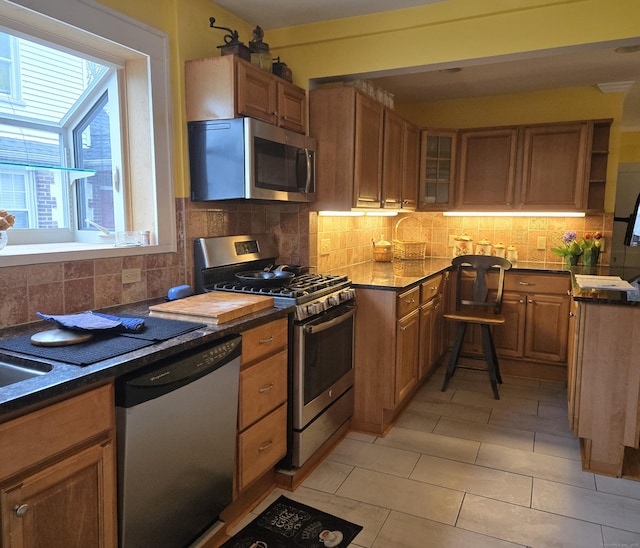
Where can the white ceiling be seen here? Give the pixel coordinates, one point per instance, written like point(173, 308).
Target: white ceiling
point(567, 67)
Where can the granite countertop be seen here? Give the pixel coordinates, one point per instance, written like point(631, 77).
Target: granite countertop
point(600, 296)
point(64, 379)
point(398, 274)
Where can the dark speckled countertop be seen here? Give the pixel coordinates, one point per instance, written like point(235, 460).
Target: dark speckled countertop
point(65, 380)
point(398, 275)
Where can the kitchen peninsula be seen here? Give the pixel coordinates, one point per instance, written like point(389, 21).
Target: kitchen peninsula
point(399, 340)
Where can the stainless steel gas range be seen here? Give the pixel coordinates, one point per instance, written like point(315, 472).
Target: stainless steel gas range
point(320, 330)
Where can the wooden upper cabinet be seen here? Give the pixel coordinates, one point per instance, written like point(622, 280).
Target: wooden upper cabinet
point(229, 87)
point(256, 93)
point(392, 163)
point(411, 167)
point(438, 156)
point(367, 178)
point(542, 167)
point(487, 175)
point(554, 163)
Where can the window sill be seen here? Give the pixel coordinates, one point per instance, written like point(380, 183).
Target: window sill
point(19, 255)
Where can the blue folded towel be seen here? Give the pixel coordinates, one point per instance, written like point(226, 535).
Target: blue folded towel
point(94, 321)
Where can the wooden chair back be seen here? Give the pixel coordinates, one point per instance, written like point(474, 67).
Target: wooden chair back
point(479, 264)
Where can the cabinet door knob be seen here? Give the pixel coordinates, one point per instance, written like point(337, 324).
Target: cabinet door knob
point(571, 314)
point(530, 301)
point(521, 301)
point(21, 510)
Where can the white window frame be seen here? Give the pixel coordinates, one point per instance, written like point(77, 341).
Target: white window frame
point(150, 170)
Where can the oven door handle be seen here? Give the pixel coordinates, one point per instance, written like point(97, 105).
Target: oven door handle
point(312, 328)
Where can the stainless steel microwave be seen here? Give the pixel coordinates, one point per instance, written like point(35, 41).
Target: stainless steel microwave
point(247, 158)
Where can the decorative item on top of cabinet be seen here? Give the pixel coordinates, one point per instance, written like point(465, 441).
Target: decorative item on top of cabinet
point(437, 169)
point(224, 87)
point(232, 44)
point(262, 406)
point(58, 474)
point(600, 131)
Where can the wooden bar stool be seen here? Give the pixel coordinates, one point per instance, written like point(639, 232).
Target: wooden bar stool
point(477, 309)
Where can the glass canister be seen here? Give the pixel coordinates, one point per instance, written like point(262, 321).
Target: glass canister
point(463, 245)
point(512, 254)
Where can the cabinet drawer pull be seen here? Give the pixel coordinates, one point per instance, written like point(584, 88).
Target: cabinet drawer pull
point(266, 341)
point(410, 301)
point(21, 510)
point(266, 446)
point(264, 389)
point(525, 283)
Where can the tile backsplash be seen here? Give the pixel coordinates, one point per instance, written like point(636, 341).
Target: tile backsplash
point(349, 239)
point(75, 286)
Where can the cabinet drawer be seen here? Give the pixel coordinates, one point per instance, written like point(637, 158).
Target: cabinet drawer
point(264, 340)
point(533, 283)
point(35, 437)
point(408, 301)
point(262, 388)
point(430, 288)
point(261, 446)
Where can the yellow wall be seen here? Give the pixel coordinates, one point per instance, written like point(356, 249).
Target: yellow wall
point(443, 32)
point(630, 147)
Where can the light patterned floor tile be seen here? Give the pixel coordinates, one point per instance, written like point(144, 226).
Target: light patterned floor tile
point(526, 526)
point(417, 421)
point(557, 446)
point(615, 538)
point(430, 444)
point(521, 405)
point(554, 410)
point(401, 530)
point(522, 421)
point(361, 436)
point(470, 478)
point(534, 393)
point(402, 495)
point(518, 439)
point(452, 410)
point(618, 486)
point(535, 464)
point(390, 460)
point(612, 510)
point(328, 476)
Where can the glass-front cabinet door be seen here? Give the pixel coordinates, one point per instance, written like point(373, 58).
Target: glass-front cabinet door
point(437, 170)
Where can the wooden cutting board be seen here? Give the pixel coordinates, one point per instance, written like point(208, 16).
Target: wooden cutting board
point(215, 307)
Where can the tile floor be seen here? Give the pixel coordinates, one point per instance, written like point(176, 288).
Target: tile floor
point(460, 469)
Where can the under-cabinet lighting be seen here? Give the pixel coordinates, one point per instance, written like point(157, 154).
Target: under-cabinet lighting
point(514, 213)
point(341, 213)
point(381, 213)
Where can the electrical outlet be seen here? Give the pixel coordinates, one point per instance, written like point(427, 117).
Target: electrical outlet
point(325, 246)
point(131, 275)
point(452, 240)
point(542, 243)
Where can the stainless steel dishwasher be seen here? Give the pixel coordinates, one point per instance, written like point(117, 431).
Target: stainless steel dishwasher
point(176, 432)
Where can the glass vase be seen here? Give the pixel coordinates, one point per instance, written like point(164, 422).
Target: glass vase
point(571, 260)
point(3, 239)
point(590, 257)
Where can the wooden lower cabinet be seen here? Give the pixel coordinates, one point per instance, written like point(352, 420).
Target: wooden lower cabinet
point(58, 475)
point(394, 350)
point(533, 340)
point(604, 387)
point(262, 409)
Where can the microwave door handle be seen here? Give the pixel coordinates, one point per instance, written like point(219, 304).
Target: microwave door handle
point(307, 186)
point(323, 326)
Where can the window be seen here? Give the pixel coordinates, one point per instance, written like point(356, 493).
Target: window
point(84, 97)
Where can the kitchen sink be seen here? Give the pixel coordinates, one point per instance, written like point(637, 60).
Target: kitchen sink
point(15, 369)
